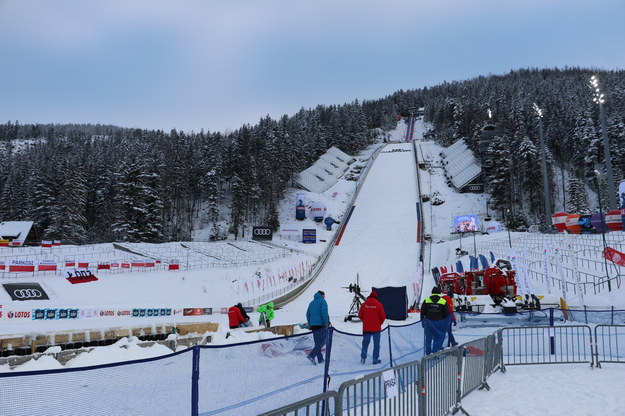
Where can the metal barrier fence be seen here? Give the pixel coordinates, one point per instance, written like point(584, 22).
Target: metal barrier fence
point(609, 344)
point(368, 395)
point(323, 404)
point(199, 381)
point(436, 384)
point(546, 345)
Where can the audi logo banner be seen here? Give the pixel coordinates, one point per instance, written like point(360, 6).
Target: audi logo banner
point(262, 233)
point(25, 291)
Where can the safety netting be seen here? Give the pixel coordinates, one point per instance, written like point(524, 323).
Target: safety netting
point(254, 377)
point(157, 386)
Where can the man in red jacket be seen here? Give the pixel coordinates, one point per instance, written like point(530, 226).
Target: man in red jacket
point(236, 318)
point(372, 316)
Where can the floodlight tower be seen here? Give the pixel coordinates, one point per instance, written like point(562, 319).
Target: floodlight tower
point(539, 113)
point(598, 98)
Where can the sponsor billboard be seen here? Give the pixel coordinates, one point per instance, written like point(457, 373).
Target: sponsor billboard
point(25, 291)
point(466, 223)
point(309, 235)
point(47, 265)
point(79, 275)
point(19, 265)
point(197, 311)
point(262, 233)
point(300, 207)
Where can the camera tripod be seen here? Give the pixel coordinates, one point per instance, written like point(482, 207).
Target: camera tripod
point(356, 302)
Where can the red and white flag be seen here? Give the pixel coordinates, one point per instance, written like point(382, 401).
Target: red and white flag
point(56, 243)
point(46, 243)
point(614, 256)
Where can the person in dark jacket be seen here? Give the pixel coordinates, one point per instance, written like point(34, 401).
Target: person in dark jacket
point(318, 321)
point(449, 298)
point(372, 315)
point(242, 309)
point(236, 319)
point(435, 321)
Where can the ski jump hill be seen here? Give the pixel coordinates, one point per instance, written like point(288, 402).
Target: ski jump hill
point(379, 243)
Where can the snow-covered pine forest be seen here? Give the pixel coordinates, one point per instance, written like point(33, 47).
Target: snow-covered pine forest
point(95, 183)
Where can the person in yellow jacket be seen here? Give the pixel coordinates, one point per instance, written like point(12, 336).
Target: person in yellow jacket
point(266, 314)
point(435, 320)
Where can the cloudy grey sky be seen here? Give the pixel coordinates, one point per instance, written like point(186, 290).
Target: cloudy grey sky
point(193, 64)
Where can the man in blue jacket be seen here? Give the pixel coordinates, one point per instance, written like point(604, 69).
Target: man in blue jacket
point(318, 319)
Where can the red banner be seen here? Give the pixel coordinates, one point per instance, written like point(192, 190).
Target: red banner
point(79, 276)
point(614, 256)
point(46, 243)
point(56, 243)
point(174, 267)
point(104, 266)
point(83, 264)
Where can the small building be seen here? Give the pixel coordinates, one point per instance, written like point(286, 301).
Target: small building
point(16, 230)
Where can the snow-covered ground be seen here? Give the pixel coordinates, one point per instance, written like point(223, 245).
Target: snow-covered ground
point(379, 247)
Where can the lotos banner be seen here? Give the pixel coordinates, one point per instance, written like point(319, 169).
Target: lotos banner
point(614, 256)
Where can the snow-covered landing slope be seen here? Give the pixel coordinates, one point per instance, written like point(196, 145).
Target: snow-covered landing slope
point(379, 243)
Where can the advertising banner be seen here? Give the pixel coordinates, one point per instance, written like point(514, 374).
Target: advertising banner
point(70, 263)
point(39, 314)
point(46, 243)
point(318, 210)
point(18, 265)
point(197, 311)
point(4, 243)
point(309, 236)
point(300, 207)
point(104, 266)
point(56, 243)
point(174, 265)
point(79, 275)
point(262, 233)
point(2, 265)
point(47, 265)
point(492, 227)
point(614, 256)
point(466, 223)
point(25, 291)
point(137, 263)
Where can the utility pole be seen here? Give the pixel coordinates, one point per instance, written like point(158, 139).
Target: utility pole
point(599, 99)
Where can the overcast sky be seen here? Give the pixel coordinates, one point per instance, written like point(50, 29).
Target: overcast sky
point(191, 64)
